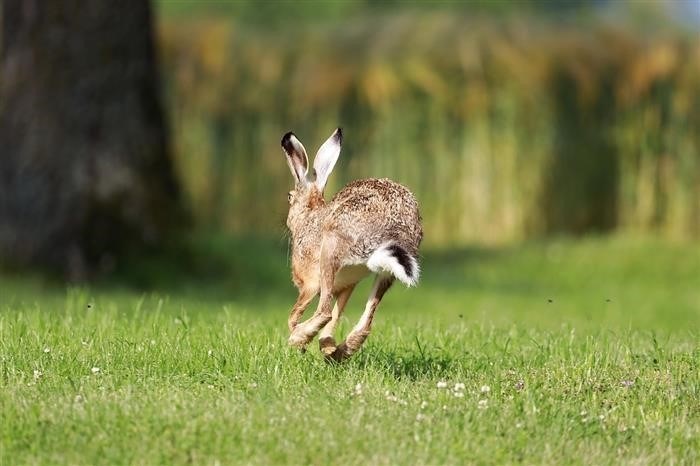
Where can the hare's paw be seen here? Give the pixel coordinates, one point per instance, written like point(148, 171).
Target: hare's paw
point(340, 354)
point(298, 339)
point(327, 346)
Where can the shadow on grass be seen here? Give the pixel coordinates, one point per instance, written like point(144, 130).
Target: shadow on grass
point(223, 267)
point(202, 267)
point(215, 267)
point(409, 363)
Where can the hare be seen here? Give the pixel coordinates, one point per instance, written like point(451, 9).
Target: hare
point(370, 226)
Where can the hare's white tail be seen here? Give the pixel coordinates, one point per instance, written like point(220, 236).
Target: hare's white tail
point(394, 259)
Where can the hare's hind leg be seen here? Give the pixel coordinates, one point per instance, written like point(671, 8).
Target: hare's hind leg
point(306, 331)
point(359, 333)
point(326, 341)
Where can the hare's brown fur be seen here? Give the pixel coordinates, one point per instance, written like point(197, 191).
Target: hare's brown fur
point(373, 211)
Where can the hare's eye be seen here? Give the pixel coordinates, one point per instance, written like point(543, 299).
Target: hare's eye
point(289, 196)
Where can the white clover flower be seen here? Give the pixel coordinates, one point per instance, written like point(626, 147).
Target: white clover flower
point(459, 394)
point(485, 389)
point(423, 404)
point(47, 350)
point(210, 353)
point(420, 417)
point(459, 386)
point(483, 404)
point(442, 384)
point(95, 370)
point(358, 389)
point(37, 374)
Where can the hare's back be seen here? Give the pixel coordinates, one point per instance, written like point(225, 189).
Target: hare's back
point(374, 211)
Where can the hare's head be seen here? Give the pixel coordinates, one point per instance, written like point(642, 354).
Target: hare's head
point(307, 194)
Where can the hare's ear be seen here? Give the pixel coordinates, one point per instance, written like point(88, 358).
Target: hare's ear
point(297, 159)
point(326, 157)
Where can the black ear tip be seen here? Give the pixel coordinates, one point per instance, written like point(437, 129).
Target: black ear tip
point(339, 135)
point(287, 141)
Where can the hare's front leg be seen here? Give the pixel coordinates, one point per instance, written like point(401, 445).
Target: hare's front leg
point(360, 332)
point(306, 331)
point(305, 297)
point(326, 341)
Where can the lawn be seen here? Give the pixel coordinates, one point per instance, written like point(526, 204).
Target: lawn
point(582, 352)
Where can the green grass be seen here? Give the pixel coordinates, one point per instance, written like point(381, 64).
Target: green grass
point(589, 351)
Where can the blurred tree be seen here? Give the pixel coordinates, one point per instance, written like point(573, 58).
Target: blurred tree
point(85, 173)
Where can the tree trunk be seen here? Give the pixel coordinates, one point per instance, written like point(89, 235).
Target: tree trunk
point(85, 173)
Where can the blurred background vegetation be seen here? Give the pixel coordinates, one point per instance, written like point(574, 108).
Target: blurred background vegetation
point(510, 120)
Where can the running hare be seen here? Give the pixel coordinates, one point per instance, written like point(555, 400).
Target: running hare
point(371, 225)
